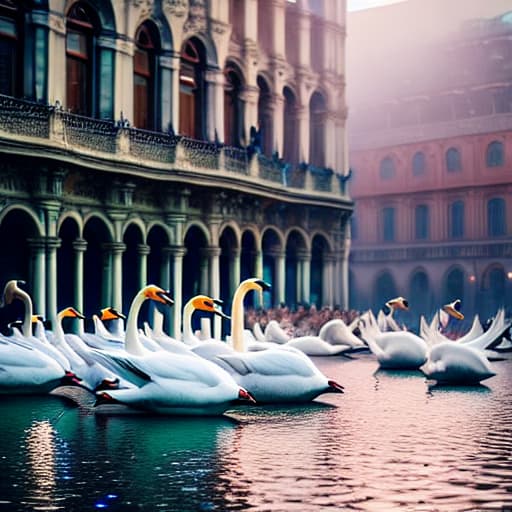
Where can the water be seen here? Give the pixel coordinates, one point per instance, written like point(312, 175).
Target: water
point(389, 443)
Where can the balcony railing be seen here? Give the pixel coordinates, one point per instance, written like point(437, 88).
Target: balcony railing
point(58, 129)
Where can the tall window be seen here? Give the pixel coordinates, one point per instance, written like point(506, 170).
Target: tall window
point(388, 224)
point(192, 101)
point(457, 219)
point(144, 87)
point(496, 219)
point(317, 113)
point(418, 164)
point(421, 218)
point(387, 168)
point(290, 147)
point(11, 49)
point(265, 116)
point(79, 58)
point(233, 107)
point(495, 154)
point(453, 161)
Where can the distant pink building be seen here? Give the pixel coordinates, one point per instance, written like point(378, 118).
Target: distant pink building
point(430, 137)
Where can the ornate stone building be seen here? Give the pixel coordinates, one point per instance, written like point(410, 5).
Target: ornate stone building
point(431, 153)
point(187, 143)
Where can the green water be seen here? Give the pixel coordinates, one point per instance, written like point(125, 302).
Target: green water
point(390, 442)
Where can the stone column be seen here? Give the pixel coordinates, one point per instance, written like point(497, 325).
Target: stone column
point(304, 266)
point(37, 255)
point(175, 93)
point(204, 277)
point(52, 244)
point(328, 280)
point(214, 288)
point(215, 102)
point(165, 282)
point(79, 246)
point(143, 250)
point(279, 275)
point(116, 251)
point(106, 279)
point(177, 252)
point(234, 271)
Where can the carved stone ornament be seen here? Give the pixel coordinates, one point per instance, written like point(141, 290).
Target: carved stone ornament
point(146, 6)
point(176, 8)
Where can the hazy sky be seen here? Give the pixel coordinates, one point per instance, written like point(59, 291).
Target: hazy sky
point(355, 5)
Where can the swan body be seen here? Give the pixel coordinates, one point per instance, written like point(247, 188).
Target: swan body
point(451, 363)
point(336, 332)
point(280, 374)
point(164, 382)
point(396, 349)
point(316, 346)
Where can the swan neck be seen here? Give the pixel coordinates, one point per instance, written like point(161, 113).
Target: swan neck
point(132, 343)
point(27, 319)
point(188, 335)
point(237, 319)
point(59, 331)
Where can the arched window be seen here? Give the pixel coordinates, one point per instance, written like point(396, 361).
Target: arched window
point(454, 285)
point(388, 224)
point(233, 107)
point(457, 219)
point(265, 117)
point(144, 83)
point(192, 93)
point(387, 168)
point(495, 154)
point(496, 219)
point(453, 161)
point(422, 222)
point(290, 147)
point(317, 113)
point(418, 164)
point(81, 24)
point(11, 49)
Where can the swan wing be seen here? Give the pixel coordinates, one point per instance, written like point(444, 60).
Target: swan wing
point(258, 332)
point(279, 361)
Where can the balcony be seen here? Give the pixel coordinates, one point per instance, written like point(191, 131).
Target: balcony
point(37, 130)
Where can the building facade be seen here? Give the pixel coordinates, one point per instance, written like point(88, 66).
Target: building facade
point(431, 153)
point(182, 142)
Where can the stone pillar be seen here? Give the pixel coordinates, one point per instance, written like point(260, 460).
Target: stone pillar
point(165, 282)
point(37, 256)
point(234, 271)
point(214, 288)
point(303, 133)
point(215, 102)
point(304, 266)
point(143, 250)
point(328, 280)
point(177, 252)
point(204, 277)
point(106, 279)
point(116, 251)
point(79, 246)
point(258, 272)
point(279, 275)
point(52, 244)
point(175, 93)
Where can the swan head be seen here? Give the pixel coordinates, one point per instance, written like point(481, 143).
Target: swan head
point(244, 396)
point(205, 303)
point(254, 283)
point(71, 313)
point(334, 387)
point(157, 294)
point(453, 309)
point(396, 303)
point(12, 290)
point(111, 314)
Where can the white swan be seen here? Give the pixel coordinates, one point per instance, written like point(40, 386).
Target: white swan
point(385, 319)
point(336, 332)
point(316, 346)
point(167, 383)
point(23, 368)
point(453, 363)
point(276, 375)
point(393, 349)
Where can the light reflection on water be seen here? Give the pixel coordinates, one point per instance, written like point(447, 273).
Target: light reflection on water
point(390, 442)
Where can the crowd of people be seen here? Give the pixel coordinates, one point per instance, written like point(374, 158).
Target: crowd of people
point(304, 320)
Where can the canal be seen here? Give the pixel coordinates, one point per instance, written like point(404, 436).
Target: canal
point(391, 442)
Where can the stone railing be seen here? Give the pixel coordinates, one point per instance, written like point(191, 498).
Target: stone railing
point(487, 249)
point(33, 123)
